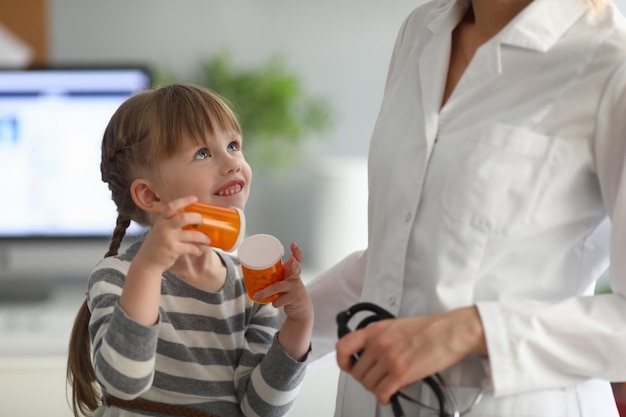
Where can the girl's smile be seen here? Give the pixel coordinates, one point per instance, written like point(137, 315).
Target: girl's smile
point(233, 187)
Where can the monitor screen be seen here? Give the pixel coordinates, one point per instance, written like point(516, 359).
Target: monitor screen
point(56, 216)
point(51, 126)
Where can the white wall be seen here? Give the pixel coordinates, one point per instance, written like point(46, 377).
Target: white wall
point(340, 48)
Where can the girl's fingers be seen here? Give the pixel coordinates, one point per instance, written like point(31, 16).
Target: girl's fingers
point(297, 252)
point(285, 287)
point(192, 236)
point(174, 212)
point(174, 207)
point(291, 269)
point(187, 218)
point(268, 291)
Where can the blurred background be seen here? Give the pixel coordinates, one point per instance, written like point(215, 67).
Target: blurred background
point(325, 63)
point(329, 57)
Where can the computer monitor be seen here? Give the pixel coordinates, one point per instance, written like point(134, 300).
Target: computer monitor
point(56, 215)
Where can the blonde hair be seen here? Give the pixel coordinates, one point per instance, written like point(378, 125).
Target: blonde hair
point(146, 129)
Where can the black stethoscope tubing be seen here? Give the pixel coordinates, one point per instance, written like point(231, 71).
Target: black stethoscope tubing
point(380, 313)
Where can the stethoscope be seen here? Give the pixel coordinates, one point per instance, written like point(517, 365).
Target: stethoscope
point(448, 406)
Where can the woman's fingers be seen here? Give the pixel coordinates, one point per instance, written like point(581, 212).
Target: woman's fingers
point(349, 348)
point(396, 352)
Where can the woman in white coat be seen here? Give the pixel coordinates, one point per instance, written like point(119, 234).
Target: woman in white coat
point(497, 159)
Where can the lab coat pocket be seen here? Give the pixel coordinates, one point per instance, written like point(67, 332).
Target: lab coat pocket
point(494, 181)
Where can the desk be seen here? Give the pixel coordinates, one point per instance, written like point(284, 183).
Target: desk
point(33, 386)
point(33, 353)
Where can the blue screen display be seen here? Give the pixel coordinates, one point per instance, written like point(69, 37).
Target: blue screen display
point(51, 126)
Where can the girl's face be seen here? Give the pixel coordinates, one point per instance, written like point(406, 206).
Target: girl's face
point(214, 171)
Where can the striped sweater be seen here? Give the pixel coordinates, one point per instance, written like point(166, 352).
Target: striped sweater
point(213, 351)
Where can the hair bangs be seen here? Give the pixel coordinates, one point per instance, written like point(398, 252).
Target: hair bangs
point(190, 114)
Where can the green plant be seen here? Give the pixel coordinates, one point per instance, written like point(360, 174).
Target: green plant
point(276, 113)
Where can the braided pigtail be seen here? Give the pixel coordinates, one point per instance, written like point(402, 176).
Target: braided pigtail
point(118, 235)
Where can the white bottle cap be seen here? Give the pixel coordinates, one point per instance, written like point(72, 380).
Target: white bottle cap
point(260, 251)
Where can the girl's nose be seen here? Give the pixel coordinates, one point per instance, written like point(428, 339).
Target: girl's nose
point(230, 164)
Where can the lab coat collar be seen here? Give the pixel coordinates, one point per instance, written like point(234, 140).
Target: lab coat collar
point(540, 25)
point(537, 27)
point(447, 14)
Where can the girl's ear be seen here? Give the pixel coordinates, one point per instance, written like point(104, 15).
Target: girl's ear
point(144, 195)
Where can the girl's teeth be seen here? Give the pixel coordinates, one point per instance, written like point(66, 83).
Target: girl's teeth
point(231, 190)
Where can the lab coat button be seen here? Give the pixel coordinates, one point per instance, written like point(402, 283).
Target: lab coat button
point(392, 301)
point(407, 218)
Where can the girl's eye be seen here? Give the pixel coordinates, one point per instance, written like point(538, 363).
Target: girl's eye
point(202, 154)
point(234, 146)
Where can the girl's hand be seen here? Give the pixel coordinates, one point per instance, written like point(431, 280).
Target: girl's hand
point(165, 243)
point(396, 352)
point(293, 295)
point(167, 240)
point(295, 335)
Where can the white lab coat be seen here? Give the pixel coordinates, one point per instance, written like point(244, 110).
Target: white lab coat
point(497, 200)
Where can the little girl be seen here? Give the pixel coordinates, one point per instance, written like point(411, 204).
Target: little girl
point(172, 330)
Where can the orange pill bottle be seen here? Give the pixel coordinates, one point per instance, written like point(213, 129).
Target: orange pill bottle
point(225, 226)
point(261, 263)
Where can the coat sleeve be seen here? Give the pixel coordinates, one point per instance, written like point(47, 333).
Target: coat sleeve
point(536, 345)
point(331, 292)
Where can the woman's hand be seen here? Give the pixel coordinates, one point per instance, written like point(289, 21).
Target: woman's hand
point(396, 352)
